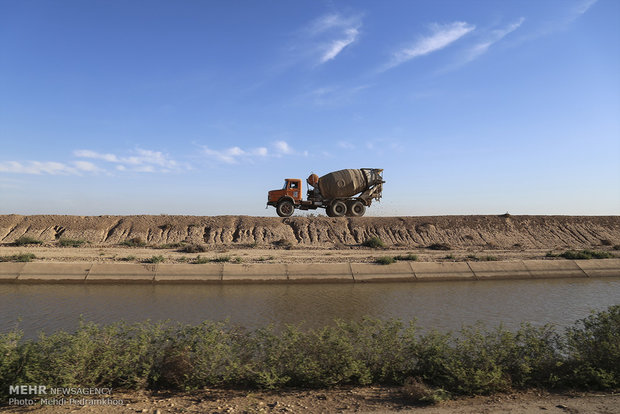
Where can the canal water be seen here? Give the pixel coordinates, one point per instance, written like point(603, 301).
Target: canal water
point(439, 305)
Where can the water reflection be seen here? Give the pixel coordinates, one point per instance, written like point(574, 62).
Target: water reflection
point(441, 305)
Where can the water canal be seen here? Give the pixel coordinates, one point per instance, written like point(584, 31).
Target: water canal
point(439, 305)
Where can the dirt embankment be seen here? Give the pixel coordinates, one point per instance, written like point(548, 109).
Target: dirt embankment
point(502, 232)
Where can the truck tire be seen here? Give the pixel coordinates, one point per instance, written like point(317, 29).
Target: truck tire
point(285, 208)
point(329, 211)
point(339, 208)
point(356, 209)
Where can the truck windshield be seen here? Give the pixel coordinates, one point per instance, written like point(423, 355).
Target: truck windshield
point(285, 183)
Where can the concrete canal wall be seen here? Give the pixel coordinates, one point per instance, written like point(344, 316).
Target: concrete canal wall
point(290, 273)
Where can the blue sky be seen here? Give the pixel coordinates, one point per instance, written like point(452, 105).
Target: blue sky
point(201, 107)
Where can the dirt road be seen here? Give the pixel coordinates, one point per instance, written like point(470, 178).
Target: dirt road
point(339, 400)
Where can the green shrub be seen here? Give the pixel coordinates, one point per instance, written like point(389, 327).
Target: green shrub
point(439, 246)
point(26, 240)
point(170, 245)
point(11, 361)
point(409, 256)
point(116, 355)
point(414, 389)
point(323, 357)
point(20, 257)
point(200, 260)
point(210, 353)
point(473, 363)
point(283, 243)
point(475, 258)
point(221, 259)
point(23, 257)
point(594, 351)
point(194, 248)
point(374, 243)
point(134, 242)
point(154, 259)
point(601, 255)
point(129, 258)
point(380, 347)
point(71, 243)
point(586, 255)
point(534, 359)
point(385, 260)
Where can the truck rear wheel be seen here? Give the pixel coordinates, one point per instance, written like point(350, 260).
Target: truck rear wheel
point(339, 208)
point(356, 209)
point(285, 208)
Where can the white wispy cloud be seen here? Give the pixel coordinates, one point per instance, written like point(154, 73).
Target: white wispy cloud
point(346, 145)
point(327, 36)
point(46, 167)
point(235, 155)
point(338, 45)
point(332, 95)
point(330, 21)
point(86, 166)
point(493, 37)
point(283, 147)
point(95, 155)
point(381, 145)
point(232, 155)
point(563, 16)
point(139, 160)
point(442, 36)
point(150, 157)
point(584, 6)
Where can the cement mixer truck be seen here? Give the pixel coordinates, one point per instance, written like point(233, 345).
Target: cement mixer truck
point(340, 193)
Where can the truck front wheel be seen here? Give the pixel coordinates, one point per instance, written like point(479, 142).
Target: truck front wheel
point(285, 208)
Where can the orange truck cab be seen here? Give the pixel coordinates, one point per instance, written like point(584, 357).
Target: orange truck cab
point(287, 198)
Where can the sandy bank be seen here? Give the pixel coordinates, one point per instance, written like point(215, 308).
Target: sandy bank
point(459, 232)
